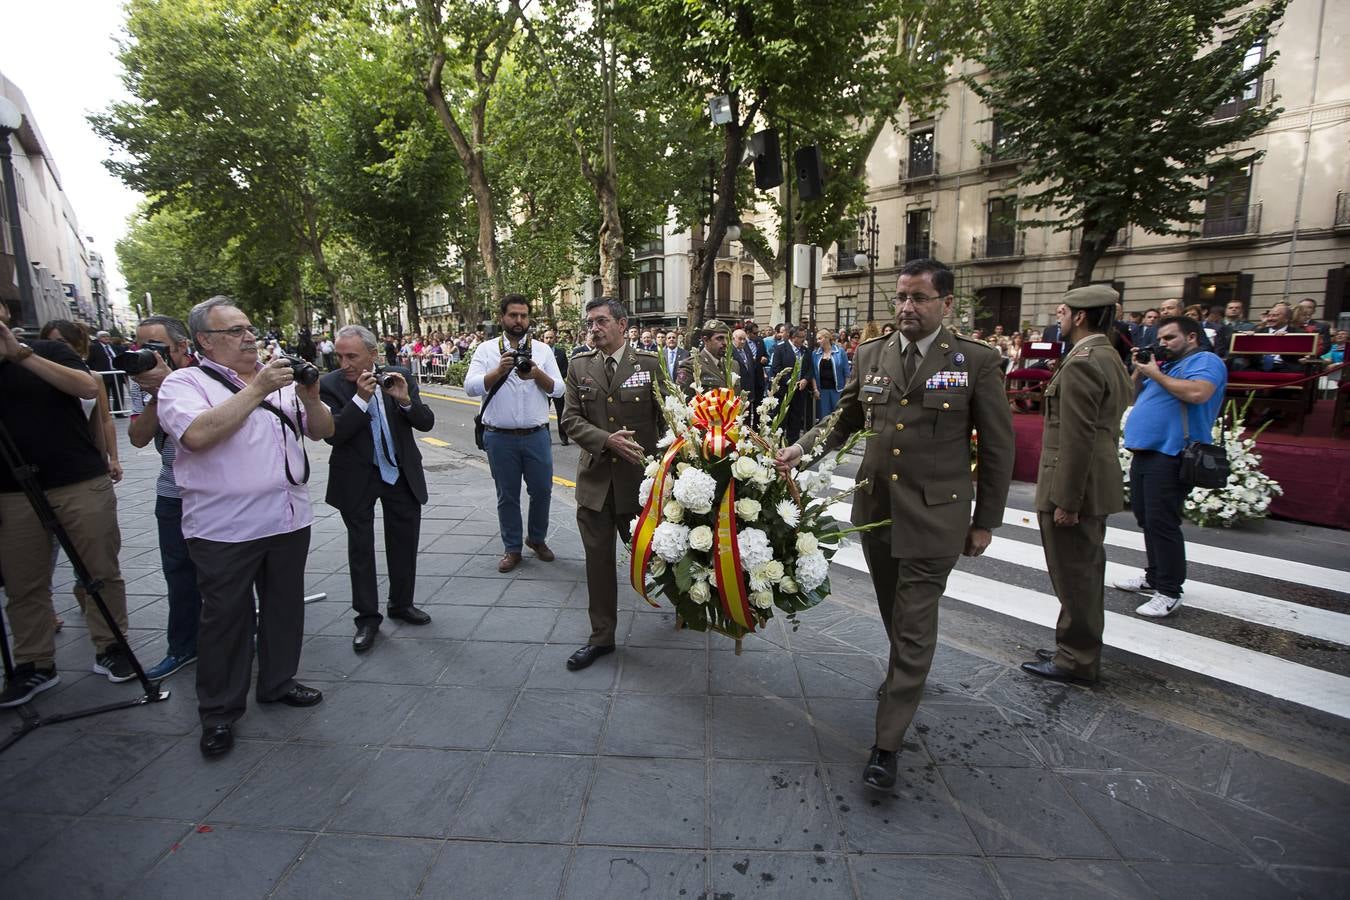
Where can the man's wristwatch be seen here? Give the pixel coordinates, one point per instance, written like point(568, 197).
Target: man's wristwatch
point(25, 351)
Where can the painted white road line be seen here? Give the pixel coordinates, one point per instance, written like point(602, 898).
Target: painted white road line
point(1260, 672)
point(1204, 554)
point(1255, 608)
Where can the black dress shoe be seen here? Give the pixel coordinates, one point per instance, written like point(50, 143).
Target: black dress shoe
point(880, 771)
point(587, 655)
point(1047, 669)
point(299, 695)
point(365, 637)
point(1045, 655)
point(410, 614)
point(217, 740)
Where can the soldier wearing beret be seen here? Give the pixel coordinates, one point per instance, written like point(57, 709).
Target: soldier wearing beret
point(920, 391)
point(1079, 483)
point(711, 360)
point(613, 413)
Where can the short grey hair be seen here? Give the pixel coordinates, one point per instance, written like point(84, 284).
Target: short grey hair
point(199, 315)
point(175, 328)
point(615, 307)
point(365, 334)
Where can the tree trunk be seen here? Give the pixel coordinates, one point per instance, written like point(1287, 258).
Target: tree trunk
point(724, 213)
point(410, 299)
point(314, 240)
point(1090, 251)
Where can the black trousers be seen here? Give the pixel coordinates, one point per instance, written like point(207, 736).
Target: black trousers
point(402, 528)
point(228, 575)
point(1156, 497)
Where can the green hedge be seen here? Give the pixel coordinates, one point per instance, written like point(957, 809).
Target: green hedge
point(455, 372)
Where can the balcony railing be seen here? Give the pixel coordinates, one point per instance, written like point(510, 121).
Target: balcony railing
point(990, 159)
point(906, 253)
point(912, 171)
point(650, 304)
point(846, 262)
point(1122, 242)
point(1342, 209)
point(1247, 221)
point(1262, 96)
point(997, 246)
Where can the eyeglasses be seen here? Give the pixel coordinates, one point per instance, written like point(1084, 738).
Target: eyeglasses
point(236, 332)
point(599, 322)
point(915, 299)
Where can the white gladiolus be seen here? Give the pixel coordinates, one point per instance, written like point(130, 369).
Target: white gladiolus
point(652, 468)
point(748, 509)
point(701, 538)
point(673, 511)
point(807, 543)
point(671, 541)
point(764, 477)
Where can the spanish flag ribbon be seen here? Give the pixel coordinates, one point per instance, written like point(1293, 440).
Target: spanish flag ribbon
point(649, 520)
point(727, 571)
point(714, 413)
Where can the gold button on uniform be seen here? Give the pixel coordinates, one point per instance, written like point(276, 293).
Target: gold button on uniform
point(899, 426)
point(895, 452)
point(611, 399)
point(894, 477)
point(611, 418)
point(946, 406)
point(953, 496)
point(904, 402)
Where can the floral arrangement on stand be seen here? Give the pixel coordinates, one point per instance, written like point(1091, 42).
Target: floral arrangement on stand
point(726, 538)
point(1249, 491)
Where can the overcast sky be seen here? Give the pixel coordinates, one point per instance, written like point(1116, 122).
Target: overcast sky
point(61, 54)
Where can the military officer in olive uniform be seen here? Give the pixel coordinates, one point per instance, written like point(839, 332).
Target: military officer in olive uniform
point(711, 360)
point(920, 391)
point(613, 413)
point(1079, 483)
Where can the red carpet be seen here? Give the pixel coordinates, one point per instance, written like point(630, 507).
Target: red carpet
point(1313, 467)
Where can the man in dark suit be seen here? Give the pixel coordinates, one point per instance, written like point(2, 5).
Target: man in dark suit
point(375, 457)
point(560, 357)
point(752, 376)
point(785, 355)
point(100, 359)
point(672, 354)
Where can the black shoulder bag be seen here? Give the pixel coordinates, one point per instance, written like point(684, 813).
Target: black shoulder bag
point(287, 423)
point(478, 427)
point(1203, 465)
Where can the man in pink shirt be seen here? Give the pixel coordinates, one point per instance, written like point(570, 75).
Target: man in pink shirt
point(241, 469)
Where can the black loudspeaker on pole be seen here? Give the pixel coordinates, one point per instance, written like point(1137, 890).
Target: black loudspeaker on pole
point(768, 159)
point(810, 173)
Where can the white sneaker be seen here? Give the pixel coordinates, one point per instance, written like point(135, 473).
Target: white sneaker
point(1160, 606)
point(1139, 584)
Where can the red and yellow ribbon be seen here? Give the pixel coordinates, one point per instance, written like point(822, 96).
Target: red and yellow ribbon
point(727, 571)
point(648, 521)
point(714, 413)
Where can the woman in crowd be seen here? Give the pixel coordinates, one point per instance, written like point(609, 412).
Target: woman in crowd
point(829, 365)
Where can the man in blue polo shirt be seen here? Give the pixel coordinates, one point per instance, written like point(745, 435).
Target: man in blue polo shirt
point(1182, 378)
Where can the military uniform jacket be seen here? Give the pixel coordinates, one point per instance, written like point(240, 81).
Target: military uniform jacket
point(1080, 468)
point(596, 407)
point(712, 372)
point(918, 463)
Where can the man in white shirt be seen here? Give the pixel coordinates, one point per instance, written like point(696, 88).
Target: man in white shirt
point(516, 426)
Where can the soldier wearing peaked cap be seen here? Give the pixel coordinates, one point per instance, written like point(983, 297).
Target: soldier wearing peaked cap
point(711, 360)
point(613, 413)
point(1079, 483)
point(920, 391)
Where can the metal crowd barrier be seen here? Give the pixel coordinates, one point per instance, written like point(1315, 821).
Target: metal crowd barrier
point(119, 392)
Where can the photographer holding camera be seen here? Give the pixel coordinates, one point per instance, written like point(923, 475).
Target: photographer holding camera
point(41, 387)
point(164, 348)
point(517, 378)
point(241, 469)
point(1179, 393)
point(375, 457)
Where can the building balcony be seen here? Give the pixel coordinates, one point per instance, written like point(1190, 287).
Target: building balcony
point(1122, 242)
point(990, 159)
point(648, 305)
point(907, 253)
point(918, 170)
point(992, 247)
point(1244, 223)
point(846, 262)
point(1342, 219)
point(1263, 95)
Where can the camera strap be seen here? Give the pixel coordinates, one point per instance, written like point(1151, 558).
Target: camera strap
point(285, 420)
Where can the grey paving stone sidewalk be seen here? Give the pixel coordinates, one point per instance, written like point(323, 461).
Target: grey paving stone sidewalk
point(462, 760)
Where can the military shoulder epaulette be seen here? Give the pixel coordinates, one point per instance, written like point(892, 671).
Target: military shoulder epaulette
point(971, 340)
point(581, 353)
point(650, 353)
point(880, 337)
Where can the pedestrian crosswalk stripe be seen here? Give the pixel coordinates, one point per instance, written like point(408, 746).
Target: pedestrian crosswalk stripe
point(1261, 672)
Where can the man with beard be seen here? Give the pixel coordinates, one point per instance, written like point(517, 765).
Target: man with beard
point(516, 426)
point(711, 360)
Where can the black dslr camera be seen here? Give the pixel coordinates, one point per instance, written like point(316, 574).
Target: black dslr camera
point(522, 361)
point(305, 373)
point(1151, 352)
point(385, 376)
point(135, 362)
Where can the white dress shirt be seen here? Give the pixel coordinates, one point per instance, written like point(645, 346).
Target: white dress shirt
point(519, 404)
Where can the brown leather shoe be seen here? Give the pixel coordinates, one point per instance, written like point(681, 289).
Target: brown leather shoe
point(541, 550)
point(508, 562)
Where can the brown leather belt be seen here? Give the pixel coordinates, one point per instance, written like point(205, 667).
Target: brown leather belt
point(519, 432)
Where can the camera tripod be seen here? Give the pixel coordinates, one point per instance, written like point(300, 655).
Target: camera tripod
point(26, 476)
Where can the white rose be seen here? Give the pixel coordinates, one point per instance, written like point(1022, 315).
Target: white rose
point(673, 512)
point(788, 585)
point(656, 566)
point(762, 599)
point(744, 468)
point(699, 592)
point(652, 468)
point(748, 509)
point(807, 543)
point(773, 570)
point(701, 538)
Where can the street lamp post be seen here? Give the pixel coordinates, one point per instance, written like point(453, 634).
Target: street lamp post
point(867, 255)
point(10, 121)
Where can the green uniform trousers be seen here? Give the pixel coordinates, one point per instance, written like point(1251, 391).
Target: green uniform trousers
point(598, 529)
point(1076, 558)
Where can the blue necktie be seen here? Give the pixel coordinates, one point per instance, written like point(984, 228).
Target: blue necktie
point(384, 441)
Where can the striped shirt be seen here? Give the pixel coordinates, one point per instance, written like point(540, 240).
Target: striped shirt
point(165, 486)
